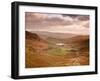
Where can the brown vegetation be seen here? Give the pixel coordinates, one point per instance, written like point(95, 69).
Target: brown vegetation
point(76, 52)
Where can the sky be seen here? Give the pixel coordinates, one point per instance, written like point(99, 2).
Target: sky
point(60, 23)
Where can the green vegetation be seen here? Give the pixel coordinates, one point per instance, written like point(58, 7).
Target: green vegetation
point(59, 51)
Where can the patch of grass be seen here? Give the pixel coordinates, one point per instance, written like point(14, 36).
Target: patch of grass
point(59, 51)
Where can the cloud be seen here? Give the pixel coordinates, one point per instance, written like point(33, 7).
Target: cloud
point(46, 21)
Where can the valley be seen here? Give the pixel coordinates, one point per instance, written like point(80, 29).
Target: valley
point(47, 49)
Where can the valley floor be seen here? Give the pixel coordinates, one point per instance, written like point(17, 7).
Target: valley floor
point(43, 58)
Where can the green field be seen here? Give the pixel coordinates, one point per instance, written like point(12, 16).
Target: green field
point(59, 51)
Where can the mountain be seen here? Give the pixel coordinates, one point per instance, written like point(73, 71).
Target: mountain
point(31, 36)
point(46, 34)
point(78, 39)
point(59, 37)
point(33, 41)
point(43, 39)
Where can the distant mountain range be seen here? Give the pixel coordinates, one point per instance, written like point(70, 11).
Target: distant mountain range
point(56, 37)
point(44, 39)
point(45, 34)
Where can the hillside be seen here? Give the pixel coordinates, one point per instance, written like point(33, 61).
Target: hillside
point(47, 52)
